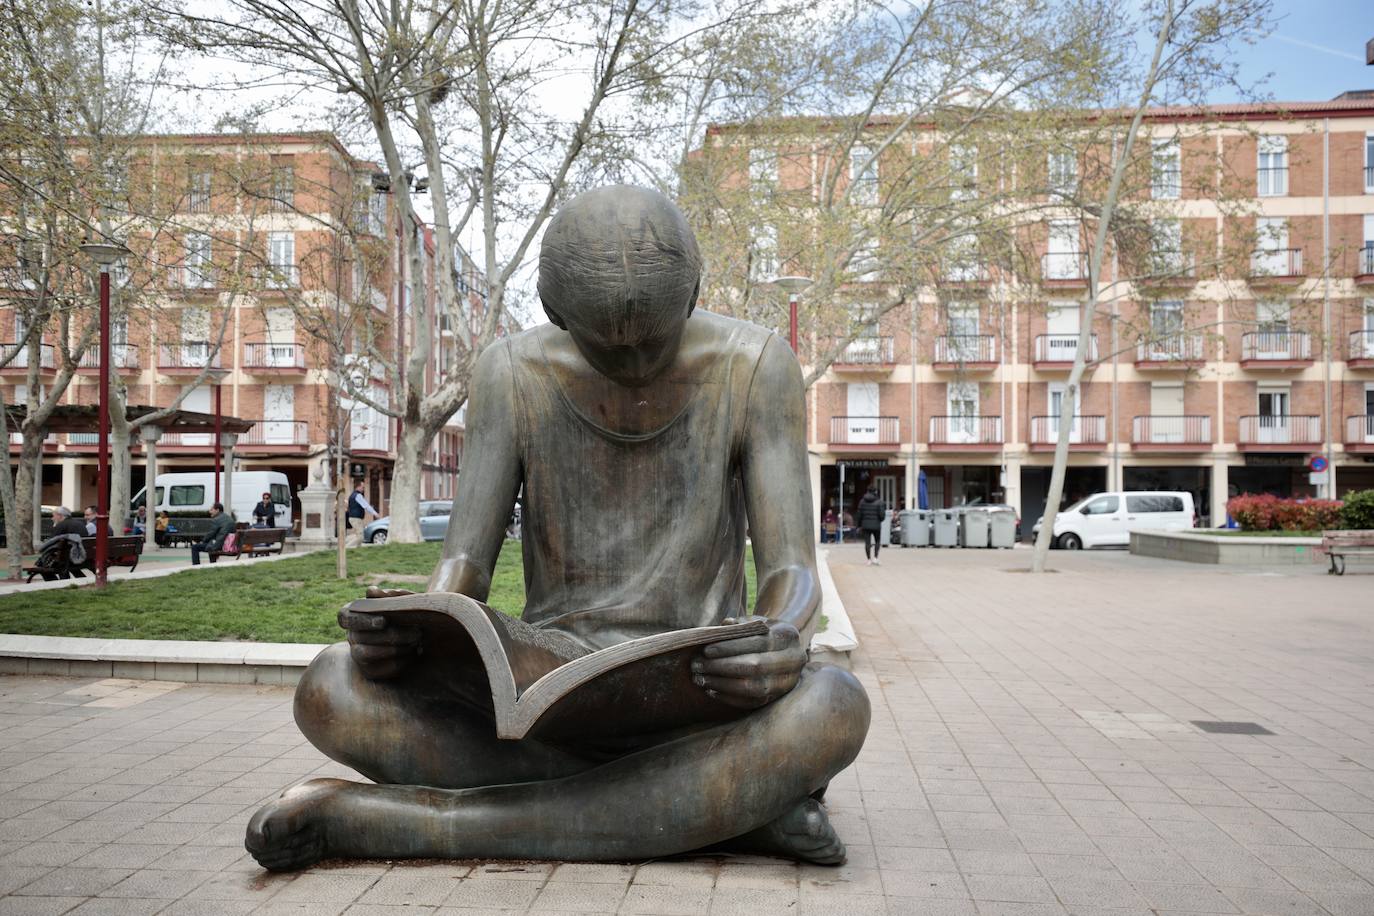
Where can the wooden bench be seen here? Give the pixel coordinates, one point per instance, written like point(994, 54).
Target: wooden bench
point(120, 551)
point(1341, 544)
point(255, 542)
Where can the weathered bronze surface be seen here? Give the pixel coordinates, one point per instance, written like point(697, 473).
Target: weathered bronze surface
point(644, 435)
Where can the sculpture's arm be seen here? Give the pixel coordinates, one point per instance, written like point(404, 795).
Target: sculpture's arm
point(488, 484)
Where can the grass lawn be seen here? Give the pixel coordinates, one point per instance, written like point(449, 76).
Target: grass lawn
point(292, 600)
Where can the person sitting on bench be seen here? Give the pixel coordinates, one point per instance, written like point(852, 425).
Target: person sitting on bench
point(220, 527)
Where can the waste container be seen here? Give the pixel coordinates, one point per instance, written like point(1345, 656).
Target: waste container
point(973, 527)
point(945, 531)
point(1001, 528)
point(916, 528)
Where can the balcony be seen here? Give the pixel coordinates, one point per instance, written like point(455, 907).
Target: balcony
point(1177, 351)
point(124, 357)
point(274, 359)
point(19, 365)
point(1086, 433)
point(965, 434)
point(1064, 268)
point(203, 442)
point(1182, 433)
point(1361, 353)
point(1364, 265)
point(1057, 351)
point(187, 358)
point(1276, 265)
point(965, 274)
point(866, 354)
point(1166, 269)
point(275, 435)
point(865, 434)
point(1359, 434)
point(281, 276)
point(1275, 350)
point(965, 351)
point(190, 278)
point(1279, 433)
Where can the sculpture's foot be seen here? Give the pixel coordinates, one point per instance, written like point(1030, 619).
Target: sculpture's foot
point(803, 833)
point(291, 832)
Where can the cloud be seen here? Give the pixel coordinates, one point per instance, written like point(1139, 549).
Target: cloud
point(1334, 52)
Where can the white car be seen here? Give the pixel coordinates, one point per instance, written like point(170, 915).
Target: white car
point(1107, 519)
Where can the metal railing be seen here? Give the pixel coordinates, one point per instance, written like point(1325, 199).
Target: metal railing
point(1276, 262)
point(867, 351)
point(1064, 265)
point(83, 438)
point(1272, 181)
point(1359, 430)
point(281, 276)
point(21, 355)
point(948, 430)
point(1275, 345)
point(1062, 348)
point(1158, 429)
point(187, 276)
point(1083, 430)
point(1287, 429)
point(273, 356)
point(122, 356)
point(185, 440)
point(1362, 344)
point(1174, 348)
point(962, 272)
point(966, 348)
point(277, 432)
point(1366, 260)
point(865, 430)
point(189, 354)
point(1170, 264)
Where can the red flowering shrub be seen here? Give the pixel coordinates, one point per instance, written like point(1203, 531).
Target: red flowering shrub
point(1266, 512)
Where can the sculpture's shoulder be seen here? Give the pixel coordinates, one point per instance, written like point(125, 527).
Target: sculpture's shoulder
point(529, 346)
point(742, 342)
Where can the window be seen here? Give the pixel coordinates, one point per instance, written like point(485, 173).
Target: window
point(281, 493)
point(281, 260)
point(763, 172)
point(195, 340)
point(1366, 265)
point(1057, 394)
point(1064, 260)
point(1166, 176)
point(1153, 503)
point(1063, 173)
point(865, 265)
point(963, 171)
point(1369, 163)
point(863, 175)
point(1166, 324)
point(1103, 505)
point(1273, 316)
point(1271, 256)
point(763, 261)
point(963, 411)
point(198, 193)
point(1166, 245)
point(1273, 165)
point(157, 496)
point(186, 495)
point(283, 187)
point(198, 273)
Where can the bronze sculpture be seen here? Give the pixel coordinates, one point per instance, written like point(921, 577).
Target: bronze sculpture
point(643, 434)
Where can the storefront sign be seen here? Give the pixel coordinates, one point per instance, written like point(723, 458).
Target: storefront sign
point(863, 462)
point(1275, 460)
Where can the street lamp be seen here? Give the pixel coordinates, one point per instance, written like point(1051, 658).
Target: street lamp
point(793, 286)
point(104, 254)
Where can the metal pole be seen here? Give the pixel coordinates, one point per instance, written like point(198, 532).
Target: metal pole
point(840, 527)
point(102, 516)
point(219, 403)
point(792, 321)
point(1327, 434)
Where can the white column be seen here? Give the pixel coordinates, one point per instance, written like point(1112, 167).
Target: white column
point(813, 462)
point(1220, 481)
point(150, 436)
point(1013, 484)
point(227, 442)
point(71, 483)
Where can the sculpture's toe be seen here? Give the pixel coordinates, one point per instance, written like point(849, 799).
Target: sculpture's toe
point(806, 832)
point(289, 833)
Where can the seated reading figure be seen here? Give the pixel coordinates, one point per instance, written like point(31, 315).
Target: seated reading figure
point(644, 435)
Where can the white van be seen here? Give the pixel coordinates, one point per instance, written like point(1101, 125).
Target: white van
point(194, 491)
point(1107, 519)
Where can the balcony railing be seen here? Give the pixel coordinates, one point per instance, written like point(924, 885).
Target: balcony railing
point(186, 440)
point(20, 352)
point(1176, 348)
point(281, 276)
point(965, 430)
point(1362, 344)
point(183, 276)
point(1064, 265)
point(122, 356)
point(1166, 265)
point(188, 354)
point(1365, 258)
point(1276, 346)
point(867, 351)
point(865, 431)
point(83, 438)
point(1273, 181)
point(1171, 430)
point(966, 348)
point(1083, 430)
point(1359, 430)
point(1276, 262)
point(1280, 430)
point(273, 356)
point(277, 432)
point(1062, 348)
point(965, 273)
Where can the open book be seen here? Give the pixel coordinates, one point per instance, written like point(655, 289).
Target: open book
point(544, 687)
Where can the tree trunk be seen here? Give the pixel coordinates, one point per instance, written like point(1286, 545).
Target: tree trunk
point(405, 483)
point(120, 470)
point(30, 453)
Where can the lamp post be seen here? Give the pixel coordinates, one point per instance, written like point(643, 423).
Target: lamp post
point(793, 286)
point(104, 254)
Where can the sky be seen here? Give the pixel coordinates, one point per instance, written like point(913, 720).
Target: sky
point(1315, 53)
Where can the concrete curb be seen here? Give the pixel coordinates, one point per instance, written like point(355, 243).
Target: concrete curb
point(838, 636)
point(38, 585)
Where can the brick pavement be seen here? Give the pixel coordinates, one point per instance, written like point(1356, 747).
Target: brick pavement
point(1031, 754)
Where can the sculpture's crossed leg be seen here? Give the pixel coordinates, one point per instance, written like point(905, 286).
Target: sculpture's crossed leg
point(747, 781)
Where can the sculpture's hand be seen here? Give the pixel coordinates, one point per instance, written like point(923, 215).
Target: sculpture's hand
point(380, 649)
point(753, 671)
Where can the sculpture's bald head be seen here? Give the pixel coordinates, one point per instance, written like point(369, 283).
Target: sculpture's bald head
point(619, 269)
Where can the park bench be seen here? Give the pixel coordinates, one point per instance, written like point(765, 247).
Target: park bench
point(255, 542)
point(1341, 544)
point(120, 551)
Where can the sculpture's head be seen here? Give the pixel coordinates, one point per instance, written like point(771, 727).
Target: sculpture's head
point(619, 270)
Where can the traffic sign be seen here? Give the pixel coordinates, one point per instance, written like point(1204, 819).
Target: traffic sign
point(1317, 463)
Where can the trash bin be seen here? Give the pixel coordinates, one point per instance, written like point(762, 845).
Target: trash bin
point(1001, 528)
point(946, 528)
point(916, 528)
point(885, 532)
point(973, 527)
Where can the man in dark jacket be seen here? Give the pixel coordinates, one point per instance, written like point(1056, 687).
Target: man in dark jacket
point(872, 511)
point(220, 526)
point(265, 513)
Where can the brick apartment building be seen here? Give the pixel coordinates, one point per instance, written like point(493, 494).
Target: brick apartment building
point(1239, 377)
point(222, 198)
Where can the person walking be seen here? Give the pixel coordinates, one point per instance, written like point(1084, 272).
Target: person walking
point(358, 509)
point(872, 511)
point(265, 513)
point(220, 526)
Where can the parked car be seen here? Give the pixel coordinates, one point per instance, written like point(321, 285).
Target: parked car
point(1107, 519)
point(433, 522)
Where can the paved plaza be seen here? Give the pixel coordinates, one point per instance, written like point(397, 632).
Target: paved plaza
point(1033, 753)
